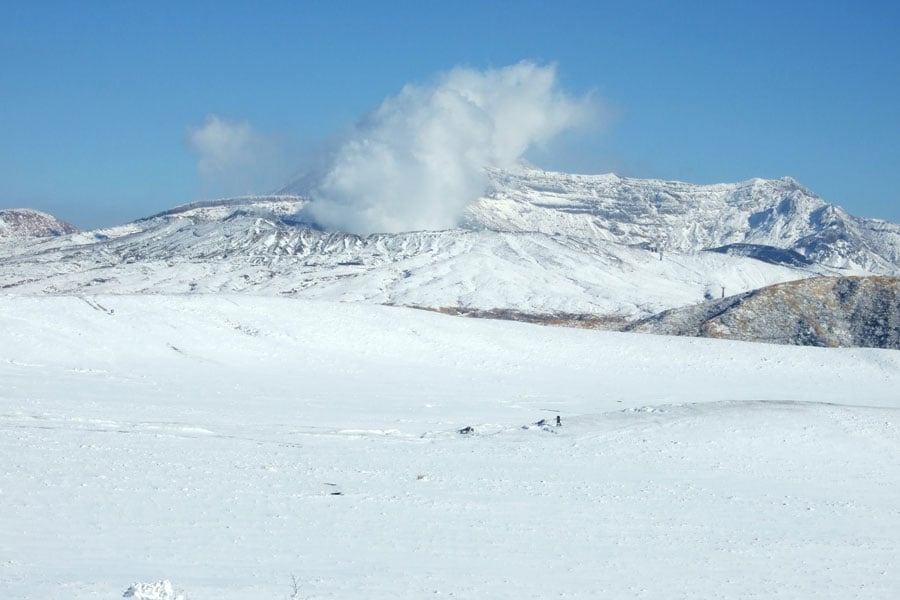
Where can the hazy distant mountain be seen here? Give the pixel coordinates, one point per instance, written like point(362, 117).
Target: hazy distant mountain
point(24, 223)
point(822, 311)
point(538, 245)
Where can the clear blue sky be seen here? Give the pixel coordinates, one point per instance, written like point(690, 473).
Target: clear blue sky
point(96, 98)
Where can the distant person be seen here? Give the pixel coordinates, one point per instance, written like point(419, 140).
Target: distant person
point(558, 421)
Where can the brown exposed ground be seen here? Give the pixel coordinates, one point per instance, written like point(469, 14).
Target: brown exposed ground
point(820, 311)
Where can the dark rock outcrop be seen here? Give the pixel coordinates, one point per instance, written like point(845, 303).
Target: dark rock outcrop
point(24, 223)
point(822, 311)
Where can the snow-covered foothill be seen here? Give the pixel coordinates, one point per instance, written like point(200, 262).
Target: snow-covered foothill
point(25, 223)
point(529, 272)
point(226, 442)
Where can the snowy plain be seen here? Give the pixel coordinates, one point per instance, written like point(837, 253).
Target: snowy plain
point(228, 442)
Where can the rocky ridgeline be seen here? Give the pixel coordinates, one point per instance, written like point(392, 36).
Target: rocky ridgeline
point(25, 223)
point(822, 311)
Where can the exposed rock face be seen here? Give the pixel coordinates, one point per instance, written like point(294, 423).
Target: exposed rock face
point(823, 311)
point(24, 223)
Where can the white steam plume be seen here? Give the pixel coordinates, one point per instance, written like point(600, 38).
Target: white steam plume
point(419, 158)
point(235, 158)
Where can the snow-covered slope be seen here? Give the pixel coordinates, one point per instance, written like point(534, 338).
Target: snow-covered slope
point(280, 205)
point(528, 272)
point(687, 218)
point(24, 223)
point(226, 442)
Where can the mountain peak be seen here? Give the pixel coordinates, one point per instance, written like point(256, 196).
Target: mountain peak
point(25, 223)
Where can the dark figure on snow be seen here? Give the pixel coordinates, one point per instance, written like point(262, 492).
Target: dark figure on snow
point(558, 421)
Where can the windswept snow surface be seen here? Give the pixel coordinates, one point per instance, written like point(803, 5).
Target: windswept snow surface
point(224, 443)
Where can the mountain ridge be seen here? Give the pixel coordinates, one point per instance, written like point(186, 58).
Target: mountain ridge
point(678, 216)
point(26, 223)
point(821, 311)
point(541, 246)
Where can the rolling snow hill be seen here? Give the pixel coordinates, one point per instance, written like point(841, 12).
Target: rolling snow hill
point(225, 442)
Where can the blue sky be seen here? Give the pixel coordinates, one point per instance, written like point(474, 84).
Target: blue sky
point(98, 99)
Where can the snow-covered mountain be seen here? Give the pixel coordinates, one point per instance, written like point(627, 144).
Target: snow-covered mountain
point(776, 220)
point(540, 244)
point(528, 272)
point(683, 217)
point(25, 223)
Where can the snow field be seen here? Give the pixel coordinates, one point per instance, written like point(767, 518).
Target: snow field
point(226, 442)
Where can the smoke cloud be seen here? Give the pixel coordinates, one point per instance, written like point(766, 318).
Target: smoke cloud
point(419, 158)
point(235, 158)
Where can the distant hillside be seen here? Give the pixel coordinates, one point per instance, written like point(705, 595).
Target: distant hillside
point(822, 311)
point(777, 220)
point(24, 223)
